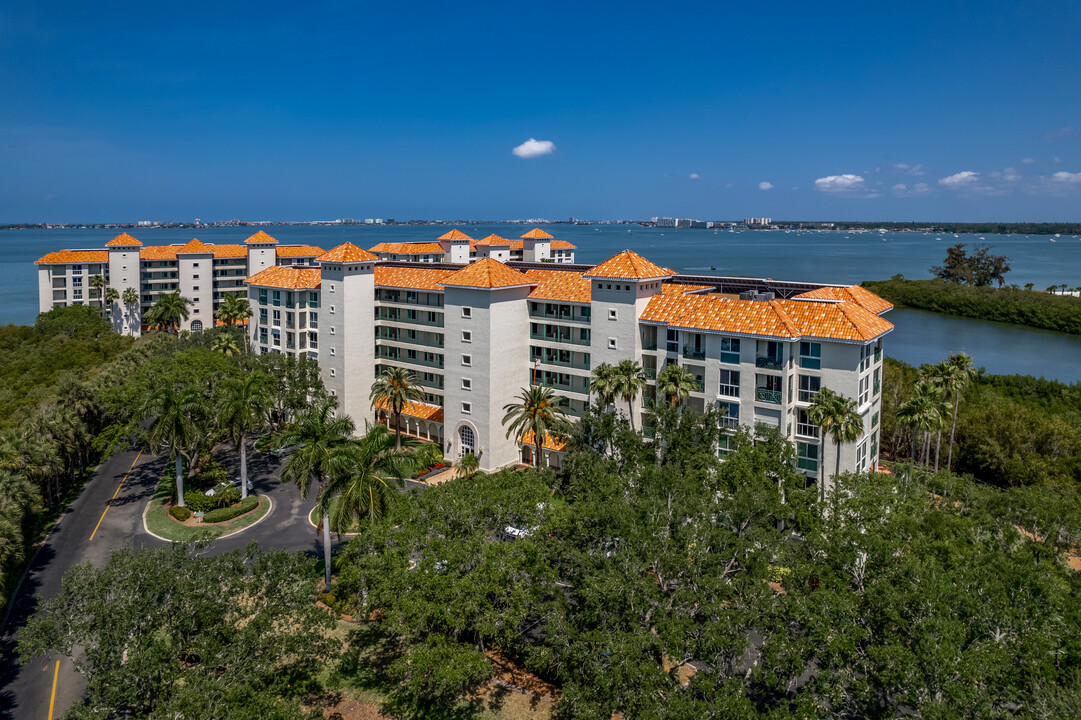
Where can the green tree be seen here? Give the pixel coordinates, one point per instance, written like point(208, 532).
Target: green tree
point(241, 410)
point(225, 343)
point(538, 410)
point(323, 451)
point(676, 383)
point(468, 464)
point(602, 385)
point(234, 308)
point(177, 427)
point(396, 387)
point(111, 296)
point(836, 416)
point(168, 312)
point(97, 282)
point(629, 380)
point(955, 381)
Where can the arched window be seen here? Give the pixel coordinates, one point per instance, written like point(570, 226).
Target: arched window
point(196, 325)
point(468, 439)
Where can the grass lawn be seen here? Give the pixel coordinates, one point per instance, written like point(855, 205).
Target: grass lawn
point(159, 522)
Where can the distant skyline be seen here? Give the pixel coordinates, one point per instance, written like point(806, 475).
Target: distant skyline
point(927, 111)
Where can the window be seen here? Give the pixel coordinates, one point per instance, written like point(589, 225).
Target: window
point(467, 312)
point(277, 318)
point(810, 355)
point(465, 434)
point(195, 276)
point(331, 309)
point(467, 408)
point(331, 329)
point(865, 390)
point(611, 313)
point(874, 420)
point(467, 336)
point(807, 457)
point(729, 350)
point(332, 370)
point(262, 316)
point(195, 264)
point(332, 351)
point(861, 456)
point(729, 414)
point(808, 386)
point(195, 289)
point(725, 445)
point(467, 360)
point(467, 384)
point(611, 343)
point(804, 426)
point(729, 383)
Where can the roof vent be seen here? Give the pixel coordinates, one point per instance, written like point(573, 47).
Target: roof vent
point(763, 296)
point(747, 295)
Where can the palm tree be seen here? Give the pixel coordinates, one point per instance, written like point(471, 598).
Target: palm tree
point(954, 383)
point(363, 490)
point(602, 384)
point(130, 297)
point(539, 409)
point(396, 387)
point(111, 296)
point(468, 464)
point(168, 312)
point(97, 282)
point(323, 451)
point(226, 344)
point(835, 415)
point(676, 382)
point(242, 409)
point(629, 380)
point(923, 413)
point(234, 308)
point(177, 427)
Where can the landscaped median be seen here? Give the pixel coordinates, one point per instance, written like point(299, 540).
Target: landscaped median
point(170, 522)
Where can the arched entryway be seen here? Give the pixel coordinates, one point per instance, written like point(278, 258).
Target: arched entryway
point(196, 325)
point(468, 440)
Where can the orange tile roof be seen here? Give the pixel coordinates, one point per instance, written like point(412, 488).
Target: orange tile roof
point(168, 252)
point(259, 237)
point(422, 411)
point(411, 278)
point(123, 240)
point(74, 256)
point(559, 286)
point(195, 245)
point(536, 234)
point(681, 288)
point(856, 293)
point(562, 245)
point(493, 239)
point(486, 273)
point(628, 265)
point(346, 253)
point(408, 248)
point(549, 443)
point(454, 234)
point(785, 319)
point(298, 250)
point(286, 277)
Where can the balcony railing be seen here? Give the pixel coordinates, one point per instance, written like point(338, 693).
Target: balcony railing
point(423, 341)
point(571, 316)
point(730, 423)
point(649, 432)
point(807, 395)
point(649, 344)
point(771, 362)
point(728, 390)
point(767, 395)
point(430, 302)
point(570, 386)
point(807, 464)
point(576, 364)
point(651, 372)
point(382, 352)
point(569, 337)
point(694, 353)
point(806, 430)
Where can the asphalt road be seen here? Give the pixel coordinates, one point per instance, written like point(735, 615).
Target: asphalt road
point(96, 523)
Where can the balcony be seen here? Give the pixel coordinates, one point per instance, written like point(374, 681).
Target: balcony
point(568, 337)
point(577, 364)
point(878, 354)
point(382, 352)
point(770, 362)
point(651, 372)
point(729, 423)
point(552, 382)
point(649, 432)
point(876, 388)
point(728, 390)
point(435, 302)
point(383, 334)
point(542, 314)
point(694, 353)
point(649, 344)
point(767, 396)
point(807, 464)
point(393, 315)
point(806, 430)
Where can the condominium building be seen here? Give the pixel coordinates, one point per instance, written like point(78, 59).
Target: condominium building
point(476, 334)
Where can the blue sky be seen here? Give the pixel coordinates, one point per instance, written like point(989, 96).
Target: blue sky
point(894, 111)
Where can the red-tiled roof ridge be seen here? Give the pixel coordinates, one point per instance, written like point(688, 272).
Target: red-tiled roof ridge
point(195, 245)
point(454, 234)
point(287, 277)
point(74, 256)
point(778, 308)
point(260, 237)
point(628, 265)
point(486, 273)
point(493, 239)
point(345, 253)
point(123, 240)
point(537, 234)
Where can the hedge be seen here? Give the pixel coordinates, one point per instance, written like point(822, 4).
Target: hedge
point(180, 513)
point(228, 513)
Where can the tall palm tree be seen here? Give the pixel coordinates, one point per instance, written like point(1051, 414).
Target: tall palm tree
point(602, 384)
point(97, 282)
point(233, 309)
point(629, 380)
point(323, 451)
point(363, 490)
point(177, 427)
point(836, 416)
point(922, 412)
point(226, 344)
point(242, 409)
point(955, 382)
point(538, 409)
point(396, 387)
point(111, 296)
point(676, 383)
point(941, 378)
point(168, 312)
point(130, 298)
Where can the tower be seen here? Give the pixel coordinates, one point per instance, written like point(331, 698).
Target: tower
point(124, 273)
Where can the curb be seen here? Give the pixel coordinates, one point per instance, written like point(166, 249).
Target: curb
point(220, 537)
point(308, 517)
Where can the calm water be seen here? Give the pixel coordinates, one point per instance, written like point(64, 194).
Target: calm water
point(823, 257)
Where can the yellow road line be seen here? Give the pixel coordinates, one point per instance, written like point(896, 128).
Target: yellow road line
point(109, 504)
point(52, 698)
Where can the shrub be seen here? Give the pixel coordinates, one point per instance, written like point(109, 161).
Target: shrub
point(180, 513)
point(199, 502)
point(226, 496)
point(228, 513)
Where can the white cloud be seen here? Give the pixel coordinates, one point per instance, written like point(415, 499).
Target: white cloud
point(965, 178)
point(1067, 177)
point(899, 187)
point(1028, 161)
point(693, 176)
point(765, 185)
point(921, 188)
point(847, 184)
point(908, 169)
point(532, 148)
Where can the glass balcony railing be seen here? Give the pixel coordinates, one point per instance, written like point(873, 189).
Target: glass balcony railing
point(771, 362)
point(693, 353)
point(876, 388)
point(651, 373)
point(730, 423)
point(649, 344)
point(572, 338)
point(806, 430)
point(807, 464)
point(728, 390)
point(767, 395)
point(878, 354)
